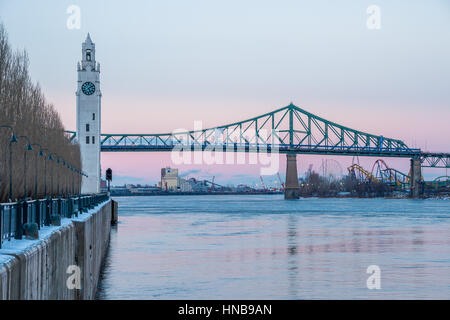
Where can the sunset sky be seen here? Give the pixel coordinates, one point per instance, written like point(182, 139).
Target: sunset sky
point(166, 64)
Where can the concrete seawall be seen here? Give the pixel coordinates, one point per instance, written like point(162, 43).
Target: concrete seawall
point(38, 269)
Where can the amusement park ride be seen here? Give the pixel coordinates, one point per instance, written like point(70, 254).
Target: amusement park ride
point(382, 173)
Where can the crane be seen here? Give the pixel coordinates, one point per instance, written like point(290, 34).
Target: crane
point(212, 185)
point(281, 182)
point(262, 183)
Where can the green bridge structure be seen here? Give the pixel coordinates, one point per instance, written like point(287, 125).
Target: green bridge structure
point(290, 130)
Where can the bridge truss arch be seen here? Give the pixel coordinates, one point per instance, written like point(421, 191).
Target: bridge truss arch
point(286, 130)
point(290, 129)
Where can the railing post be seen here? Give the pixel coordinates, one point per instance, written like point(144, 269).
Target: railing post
point(59, 206)
point(38, 213)
point(10, 222)
point(47, 212)
point(1, 225)
point(80, 205)
point(19, 218)
point(70, 206)
point(24, 212)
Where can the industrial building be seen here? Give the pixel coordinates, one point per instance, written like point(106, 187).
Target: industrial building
point(169, 179)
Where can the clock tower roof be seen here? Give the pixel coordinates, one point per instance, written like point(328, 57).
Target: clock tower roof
point(88, 39)
point(88, 55)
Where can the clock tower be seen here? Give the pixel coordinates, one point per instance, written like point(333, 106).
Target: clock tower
point(89, 117)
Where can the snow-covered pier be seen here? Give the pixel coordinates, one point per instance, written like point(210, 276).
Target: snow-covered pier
point(64, 263)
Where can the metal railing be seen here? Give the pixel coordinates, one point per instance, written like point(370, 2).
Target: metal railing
point(14, 215)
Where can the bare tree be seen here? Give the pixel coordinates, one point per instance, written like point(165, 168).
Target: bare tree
point(24, 107)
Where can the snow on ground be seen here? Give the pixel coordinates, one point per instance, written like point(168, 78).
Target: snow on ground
point(19, 246)
point(85, 216)
point(4, 259)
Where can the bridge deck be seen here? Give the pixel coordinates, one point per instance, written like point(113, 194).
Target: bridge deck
point(283, 149)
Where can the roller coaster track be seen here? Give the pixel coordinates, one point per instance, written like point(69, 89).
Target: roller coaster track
point(363, 174)
point(384, 173)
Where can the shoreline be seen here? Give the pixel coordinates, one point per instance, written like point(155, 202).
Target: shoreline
point(437, 197)
point(149, 194)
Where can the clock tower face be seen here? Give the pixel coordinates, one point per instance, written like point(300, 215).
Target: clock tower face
point(88, 88)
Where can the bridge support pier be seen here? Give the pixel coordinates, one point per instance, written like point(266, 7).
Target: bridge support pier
point(291, 189)
point(416, 178)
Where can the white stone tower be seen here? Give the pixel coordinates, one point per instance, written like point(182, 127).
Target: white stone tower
point(89, 117)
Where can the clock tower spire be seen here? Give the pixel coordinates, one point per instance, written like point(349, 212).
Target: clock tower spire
point(88, 97)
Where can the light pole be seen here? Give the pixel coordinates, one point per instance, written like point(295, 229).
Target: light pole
point(76, 181)
point(79, 175)
point(45, 172)
point(28, 148)
point(11, 141)
point(62, 183)
point(58, 160)
point(57, 177)
point(67, 180)
point(73, 171)
point(50, 157)
point(36, 167)
point(71, 178)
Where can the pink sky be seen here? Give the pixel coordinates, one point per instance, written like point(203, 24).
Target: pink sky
point(145, 114)
point(166, 64)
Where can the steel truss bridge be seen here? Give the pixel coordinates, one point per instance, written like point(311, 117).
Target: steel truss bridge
point(290, 130)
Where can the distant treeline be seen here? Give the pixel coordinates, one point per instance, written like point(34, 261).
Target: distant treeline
point(23, 107)
point(316, 185)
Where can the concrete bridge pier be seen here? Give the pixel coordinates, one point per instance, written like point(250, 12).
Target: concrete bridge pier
point(291, 189)
point(416, 178)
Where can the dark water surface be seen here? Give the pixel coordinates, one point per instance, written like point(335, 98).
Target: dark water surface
point(262, 247)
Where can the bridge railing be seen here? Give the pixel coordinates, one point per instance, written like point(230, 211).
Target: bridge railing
point(14, 215)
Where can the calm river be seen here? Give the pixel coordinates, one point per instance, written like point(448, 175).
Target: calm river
point(262, 247)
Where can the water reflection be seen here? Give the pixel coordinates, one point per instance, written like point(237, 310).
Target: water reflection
point(261, 247)
point(292, 254)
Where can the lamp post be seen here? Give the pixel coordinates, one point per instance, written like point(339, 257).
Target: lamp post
point(73, 171)
point(45, 173)
point(67, 180)
point(75, 179)
point(62, 184)
point(59, 160)
point(11, 141)
point(78, 182)
point(36, 168)
point(28, 148)
point(69, 175)
point(50, 157)
point(70, 184)
point(57, 177)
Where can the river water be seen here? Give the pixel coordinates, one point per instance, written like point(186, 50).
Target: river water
point(263, 247)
